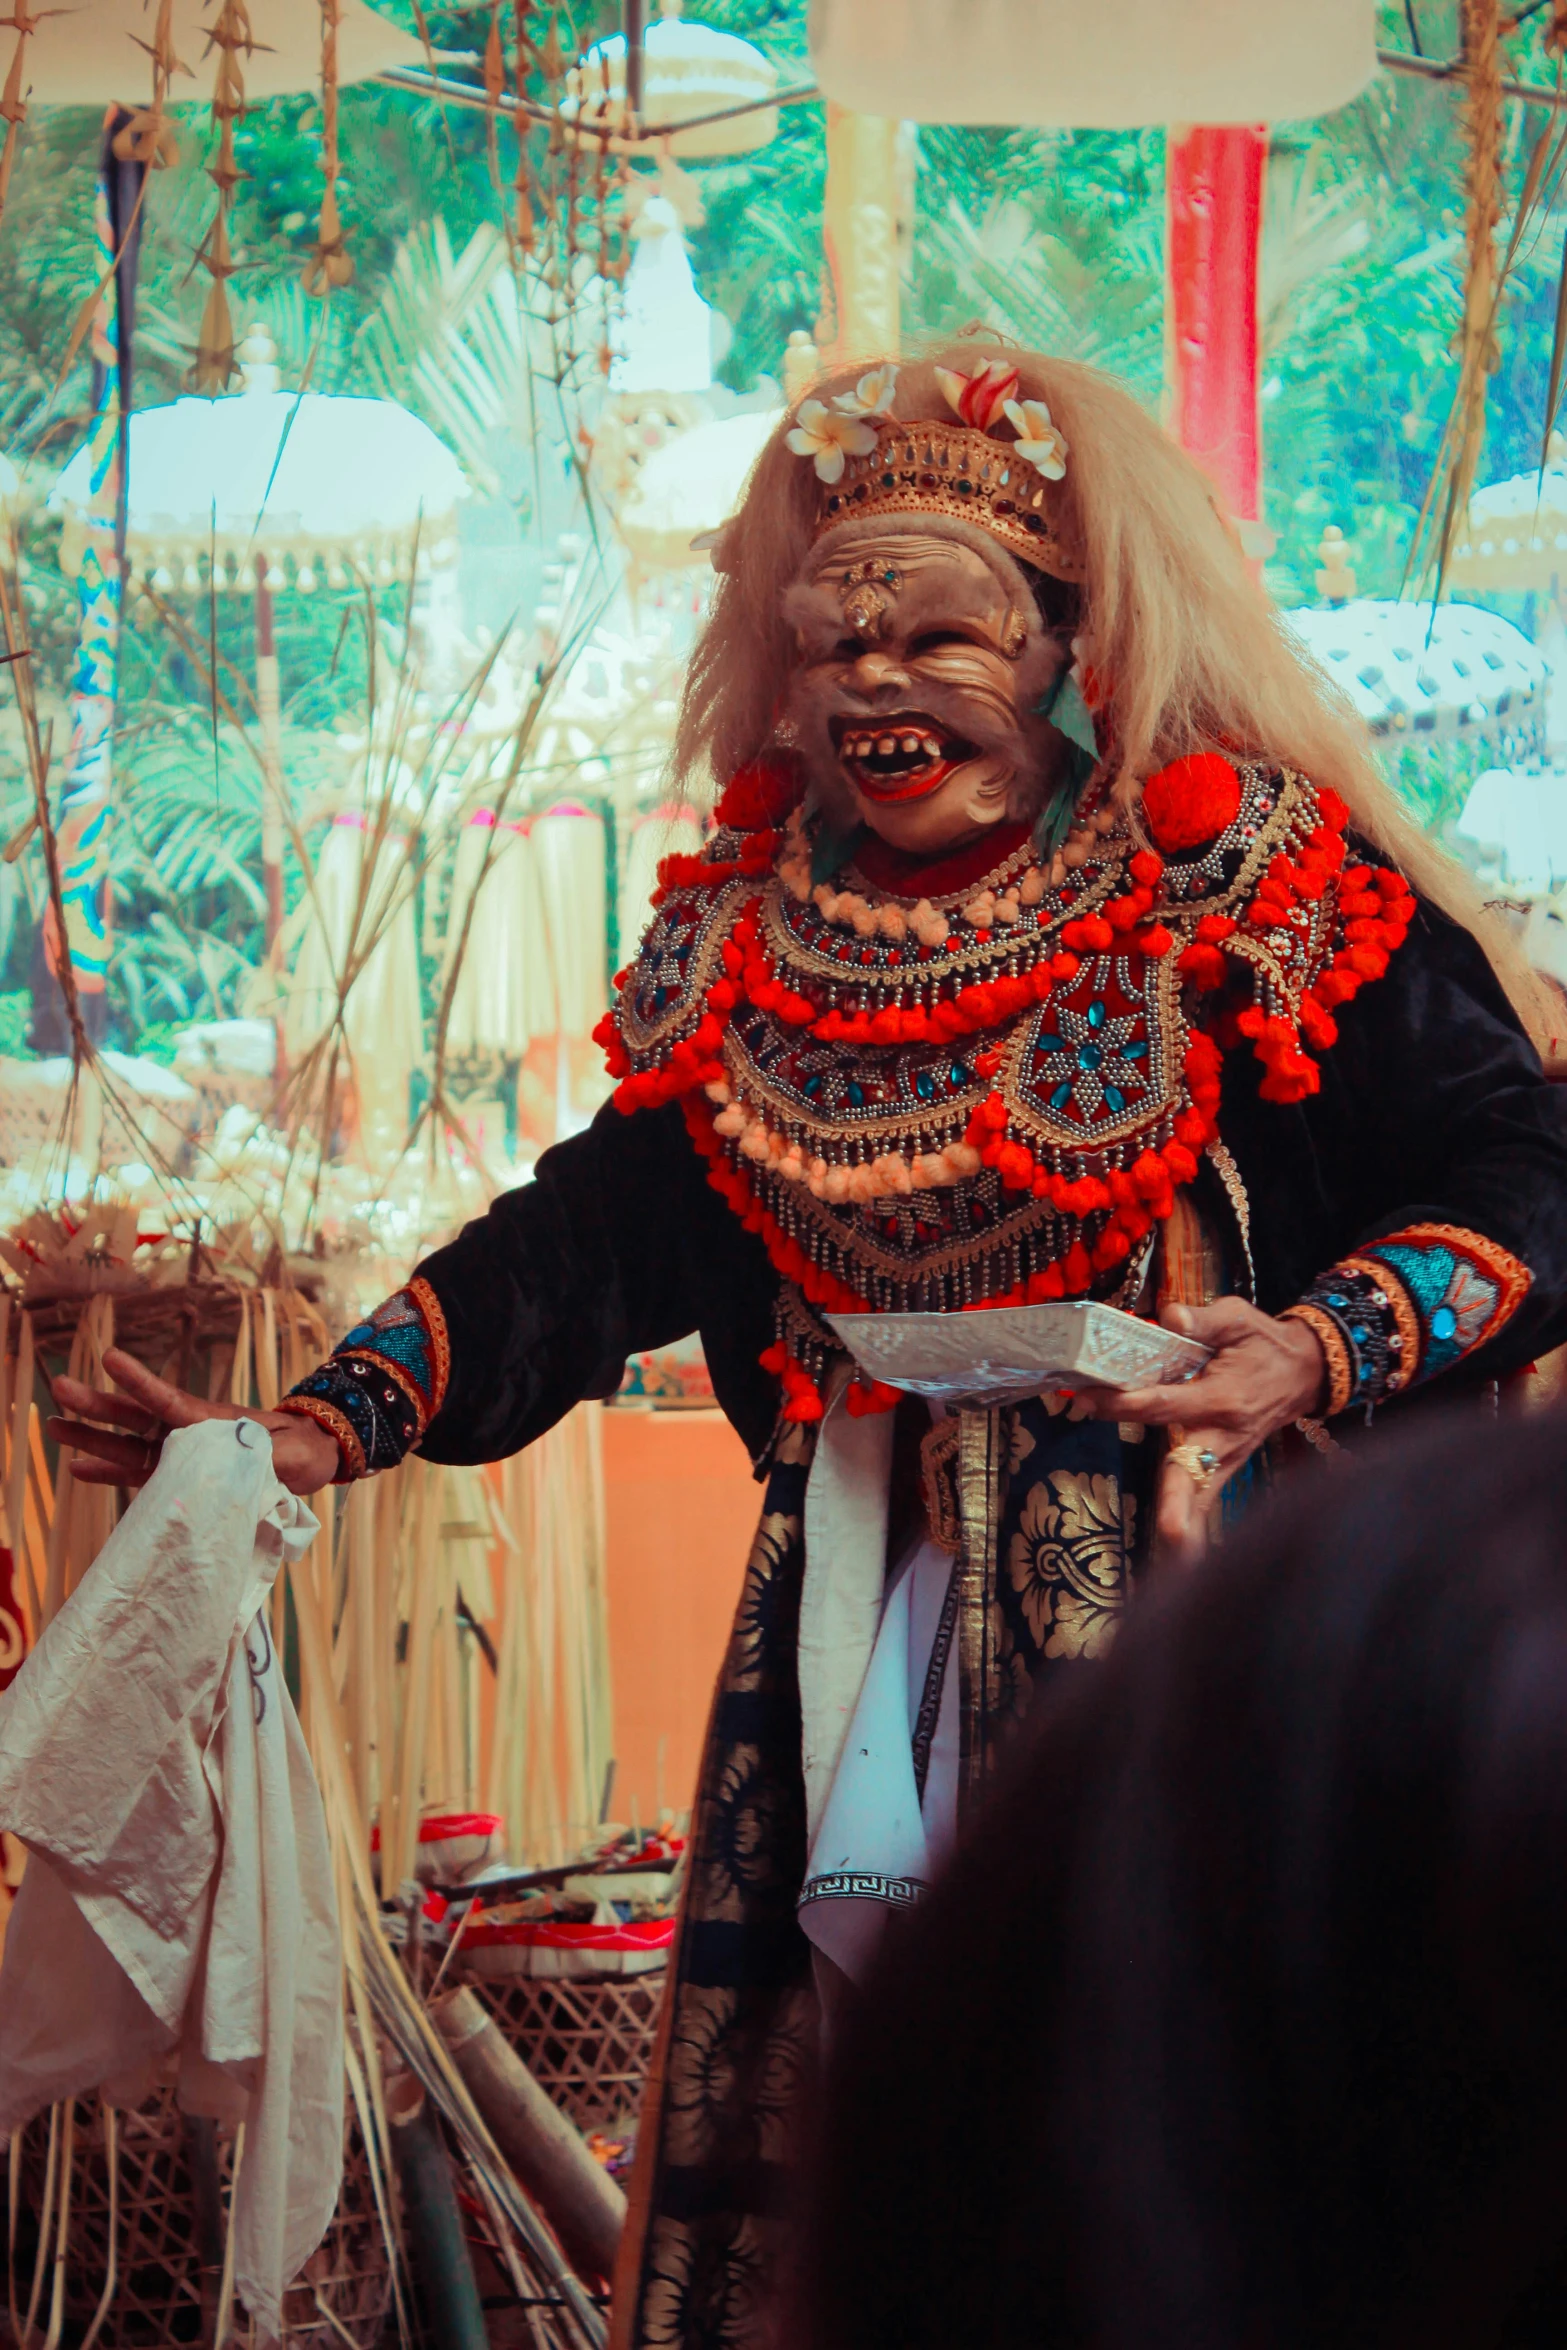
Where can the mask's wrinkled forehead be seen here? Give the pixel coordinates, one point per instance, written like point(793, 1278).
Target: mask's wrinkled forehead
point(871, 580)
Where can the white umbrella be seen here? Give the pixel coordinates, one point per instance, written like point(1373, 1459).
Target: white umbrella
point(316, 484)
point(688, 70)
point(1464, 673)
point(271, 488)
point(690, 487)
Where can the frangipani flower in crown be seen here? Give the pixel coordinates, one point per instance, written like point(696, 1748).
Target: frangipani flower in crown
point(871, 396)
point(981, 400)
point(1040, 441)
point(829, 436)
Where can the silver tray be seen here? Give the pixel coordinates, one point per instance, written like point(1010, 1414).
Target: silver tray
point(1003, 1354)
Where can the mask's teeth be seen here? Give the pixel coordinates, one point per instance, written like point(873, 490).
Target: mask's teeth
point(913, 744)
point(886, 746)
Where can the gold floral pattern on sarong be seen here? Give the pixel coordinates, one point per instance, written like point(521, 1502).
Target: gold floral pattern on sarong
point(1067, 1560)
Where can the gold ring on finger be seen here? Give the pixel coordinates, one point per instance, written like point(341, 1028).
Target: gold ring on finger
point(1198, 1463)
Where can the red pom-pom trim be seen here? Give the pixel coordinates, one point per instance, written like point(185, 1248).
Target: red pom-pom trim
point(1191, 801)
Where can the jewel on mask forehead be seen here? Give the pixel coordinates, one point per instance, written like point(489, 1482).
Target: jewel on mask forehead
point(867, 589)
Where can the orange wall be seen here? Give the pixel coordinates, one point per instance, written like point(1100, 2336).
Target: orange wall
point(681, 1507)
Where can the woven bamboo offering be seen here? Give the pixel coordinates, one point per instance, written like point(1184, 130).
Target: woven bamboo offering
point(146, 2205)
point(588, 2040)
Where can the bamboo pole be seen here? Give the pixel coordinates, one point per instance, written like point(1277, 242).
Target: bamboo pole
point(577, 2196)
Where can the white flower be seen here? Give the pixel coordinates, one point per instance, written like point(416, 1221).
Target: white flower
point(872, 395)
point(829, 436)
point(1042, 443)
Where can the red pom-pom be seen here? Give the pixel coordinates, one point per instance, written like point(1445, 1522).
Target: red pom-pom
point(1191, 801)
point(759, 795)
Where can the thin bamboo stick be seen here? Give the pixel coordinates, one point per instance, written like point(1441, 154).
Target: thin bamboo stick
point(63, 2230)
point(45, 2220)
point(111, 2155)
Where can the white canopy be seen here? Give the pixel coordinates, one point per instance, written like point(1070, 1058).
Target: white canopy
point(1106, 64)
point(1410, 675)
point(95, 52)
point(356, 482)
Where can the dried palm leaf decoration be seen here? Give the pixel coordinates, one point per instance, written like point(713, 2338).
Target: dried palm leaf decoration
point(331, 264)
point(13, 103)
point(1475, 345)
point(231, 37)
point(148, 138)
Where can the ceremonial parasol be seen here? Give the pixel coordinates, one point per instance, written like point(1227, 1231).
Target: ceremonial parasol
point(688, 488)
point(137, 62)
point(1458, 672)
point(681, 74)
point(266, 488)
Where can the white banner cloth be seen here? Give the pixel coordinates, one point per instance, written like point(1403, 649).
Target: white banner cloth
point(178, 1891)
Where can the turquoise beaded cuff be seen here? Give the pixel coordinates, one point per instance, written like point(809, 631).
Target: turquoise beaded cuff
point(380, 1389)
point(1406, 1307)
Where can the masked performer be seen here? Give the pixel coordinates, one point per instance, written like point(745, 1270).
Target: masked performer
point(1057, 939)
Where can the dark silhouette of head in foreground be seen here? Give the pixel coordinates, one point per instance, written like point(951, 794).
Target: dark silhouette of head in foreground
point(1241, 2020)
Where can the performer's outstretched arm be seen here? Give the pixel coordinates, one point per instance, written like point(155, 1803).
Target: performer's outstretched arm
point(616, 1245)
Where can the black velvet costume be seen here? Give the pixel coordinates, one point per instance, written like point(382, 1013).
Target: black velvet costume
point(1433, 1130)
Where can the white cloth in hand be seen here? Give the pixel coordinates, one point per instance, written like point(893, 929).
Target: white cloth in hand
point(178, 1890)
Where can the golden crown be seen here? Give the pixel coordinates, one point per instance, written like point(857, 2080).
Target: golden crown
point(948, 469)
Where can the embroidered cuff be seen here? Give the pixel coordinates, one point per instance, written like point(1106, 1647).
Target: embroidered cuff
point(381, 1388)
point(1406, 1307)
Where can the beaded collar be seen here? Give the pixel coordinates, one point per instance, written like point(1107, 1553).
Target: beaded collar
point(989, 1098)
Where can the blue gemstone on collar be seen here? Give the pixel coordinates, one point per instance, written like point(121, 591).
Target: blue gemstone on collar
point(1096, 1014)
point(957, 1074)
point(1444, 1323)
point(1089, 1056)
point(856, 1096)
point(1115, 1099)
point(924, 1085)
point(1061, 1096)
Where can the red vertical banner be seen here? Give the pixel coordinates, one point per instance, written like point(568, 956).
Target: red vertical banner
point(1214, 181)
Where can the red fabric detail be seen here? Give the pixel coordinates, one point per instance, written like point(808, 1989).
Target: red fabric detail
point(866, 1396)
point(918, 877)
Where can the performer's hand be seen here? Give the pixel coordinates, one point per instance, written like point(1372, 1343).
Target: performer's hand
point(1263, 1375)
point(146, 1408)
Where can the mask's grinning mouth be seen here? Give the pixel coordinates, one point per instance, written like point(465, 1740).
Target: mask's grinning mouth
point(900, 757)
